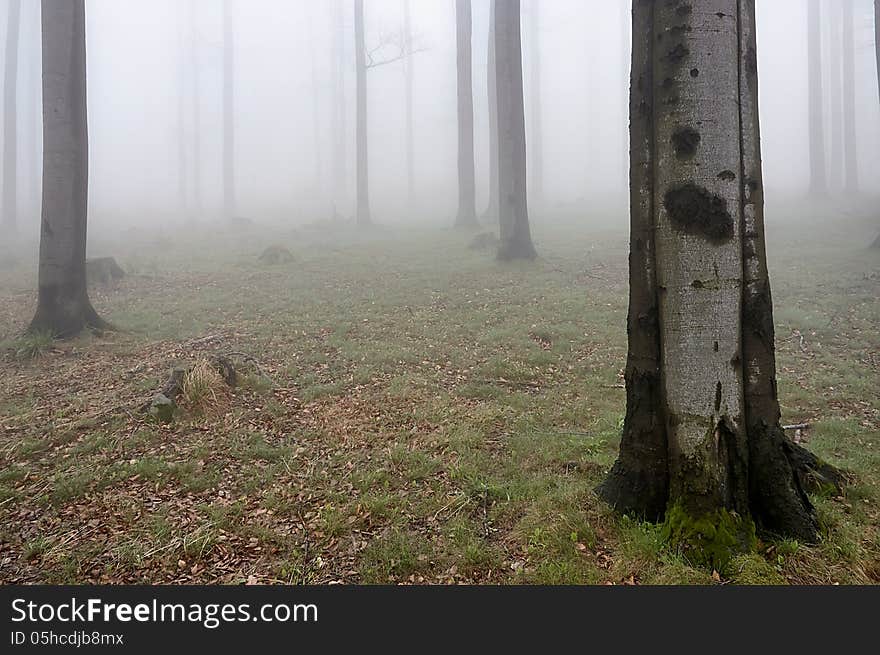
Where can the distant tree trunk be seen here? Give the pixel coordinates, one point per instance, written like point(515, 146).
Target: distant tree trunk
point(516, 238)
point(229, 202)
point(363, 162)
point(408, 80)
point(491, 213)
point(835, 93)
point(340, 107)
point(537, 99)
point(626, 22)
point(851, 182)
point(316, 109)
point(197, 110)
point(63, 306)
point(182, 163)
point(9, 190)
point(467, 189)
point(818, 175)
point(701, 442)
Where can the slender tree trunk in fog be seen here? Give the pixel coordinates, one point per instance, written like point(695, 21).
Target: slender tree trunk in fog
point(701, 438)
point(316, 109)
point(467, 188)
point(34, 113)
point(197, 109)
point(818, 179)
point(182, 164)
point(363, 172)
point(410, 139)
point(9, 190)
point(835, 93)
point(340, 125)
point(491, 213)
point(851, 182)
point(228, 111)
point(537, 98)
point(63, 306)
point(516, 238)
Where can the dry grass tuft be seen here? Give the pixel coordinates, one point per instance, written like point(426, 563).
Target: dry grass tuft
point(203, 387)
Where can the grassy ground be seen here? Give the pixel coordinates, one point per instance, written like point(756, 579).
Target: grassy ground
point(423, 415)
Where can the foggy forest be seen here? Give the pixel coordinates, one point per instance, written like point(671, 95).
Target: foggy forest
point(440, 292)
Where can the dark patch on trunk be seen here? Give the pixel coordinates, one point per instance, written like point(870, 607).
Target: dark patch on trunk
point(677, 54)
point(694, 210)
point(727, 176)
point(685, 140)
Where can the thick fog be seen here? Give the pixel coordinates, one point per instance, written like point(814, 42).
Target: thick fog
point(146, 59)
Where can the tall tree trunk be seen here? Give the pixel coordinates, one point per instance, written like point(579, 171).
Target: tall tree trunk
point(851, 183)
point(408, 81)
point(229, 202)
point(537, 99)
point(316, 109)
point(516, 238)
point(197, 109)
point(34, 112)
point(63, 306)
point(182, 163)
point(818, 175)
point(835, 93)
point(625, 23)
point(9, 190)
point(340, 107)
point(491, 214)
point(467, 188)
point(701, 442)
point(363, 162)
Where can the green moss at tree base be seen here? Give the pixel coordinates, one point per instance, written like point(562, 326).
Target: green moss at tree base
point(712, 539)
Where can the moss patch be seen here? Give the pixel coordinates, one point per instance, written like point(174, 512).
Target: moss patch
point(712, 539)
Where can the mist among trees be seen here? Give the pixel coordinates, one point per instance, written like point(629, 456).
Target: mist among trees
point(482, 291)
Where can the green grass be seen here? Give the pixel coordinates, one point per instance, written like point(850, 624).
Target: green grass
point(424, 415)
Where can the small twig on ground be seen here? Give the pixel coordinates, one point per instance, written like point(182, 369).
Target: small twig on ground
point(797, 426)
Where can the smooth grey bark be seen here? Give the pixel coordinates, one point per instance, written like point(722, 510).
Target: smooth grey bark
point(182, 155)
point(516, 238)
point(340, 124)
point(467, 187)
point(196, 109)
point(364, 217)
point(409, 73)
point(491, 213)
point(229, 199)
point(536, 148)
point(851, 163)
point(9, 189)
point(835, 93)
point(316, 109)
point(701, 433)
point(818, 175)
point(63, 306)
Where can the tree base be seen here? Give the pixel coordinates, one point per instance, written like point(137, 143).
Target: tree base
point(510, 250)
point(64, 321)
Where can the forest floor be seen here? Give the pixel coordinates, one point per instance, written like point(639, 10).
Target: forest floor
point(424, 414)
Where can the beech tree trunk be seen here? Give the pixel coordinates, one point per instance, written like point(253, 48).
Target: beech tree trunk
point(363, 171)
point(467, 187)
point(408, 81)
point(537, 99)
point(9, 188)
point(491, 213)
point(702, 436)
point(818, 175)
point(516, 238)
point(834, 25)
point(851, 180)
point(63, 306)
point(229, 201)
point(316, 110)
point(197, 110)
point(340, 124)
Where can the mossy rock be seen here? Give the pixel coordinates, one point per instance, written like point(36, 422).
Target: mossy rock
point(712, 539)
point(162, 408)
point(274, 255)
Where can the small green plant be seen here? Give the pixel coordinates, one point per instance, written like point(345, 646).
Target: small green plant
point(33, 345)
